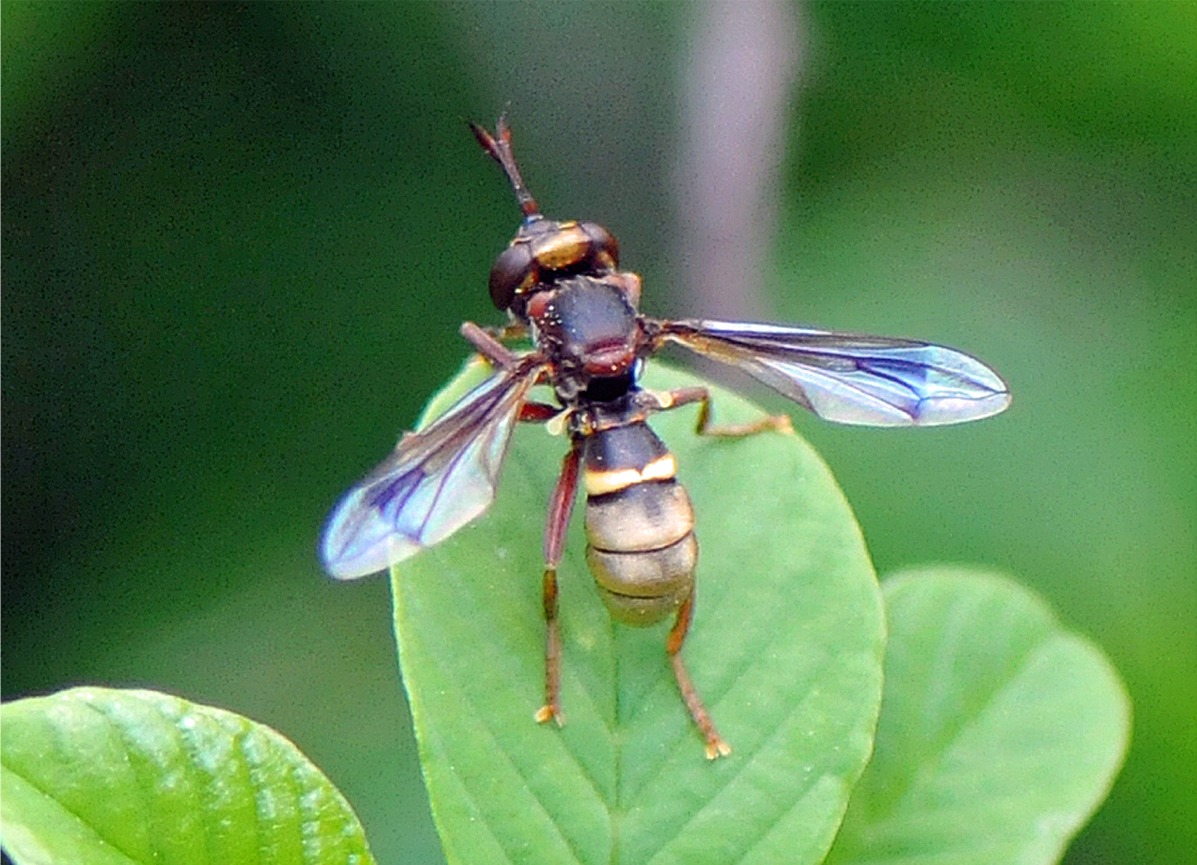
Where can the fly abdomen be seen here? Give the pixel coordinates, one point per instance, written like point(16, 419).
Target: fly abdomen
point(639, 525)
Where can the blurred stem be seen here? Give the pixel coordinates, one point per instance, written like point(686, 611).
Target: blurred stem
point(742, 65)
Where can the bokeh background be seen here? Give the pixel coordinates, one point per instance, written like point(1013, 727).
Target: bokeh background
point(238, 240)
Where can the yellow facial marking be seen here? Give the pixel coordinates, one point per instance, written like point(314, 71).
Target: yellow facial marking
point(564, 247)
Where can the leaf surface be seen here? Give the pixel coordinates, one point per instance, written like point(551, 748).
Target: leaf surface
point(108, 777)
point(785, 648)
point(1000, 730)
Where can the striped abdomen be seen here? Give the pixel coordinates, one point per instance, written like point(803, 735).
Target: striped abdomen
point(639, 524)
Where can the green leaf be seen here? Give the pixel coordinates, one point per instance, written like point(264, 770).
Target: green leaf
point(108, 777)
point(785, 647)
point(1000, 731)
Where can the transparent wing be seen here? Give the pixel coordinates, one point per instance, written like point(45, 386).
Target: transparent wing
point(849, 378)
point(435, 481)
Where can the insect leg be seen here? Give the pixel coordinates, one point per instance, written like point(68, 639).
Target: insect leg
point(687, 395)
point(716, 747)
point(560, 507)
point(488, 346)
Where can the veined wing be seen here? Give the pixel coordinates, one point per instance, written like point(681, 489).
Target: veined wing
point(435, 481)
point(849, 378)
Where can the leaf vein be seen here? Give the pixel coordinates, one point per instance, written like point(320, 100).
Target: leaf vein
point(517, 769)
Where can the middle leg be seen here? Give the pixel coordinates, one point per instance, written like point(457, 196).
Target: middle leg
point(688, 395)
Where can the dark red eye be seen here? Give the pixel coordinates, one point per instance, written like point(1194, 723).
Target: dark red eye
point(510, 271)
point(603, 240)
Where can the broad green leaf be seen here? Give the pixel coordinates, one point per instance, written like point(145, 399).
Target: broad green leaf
point(1000, 731)
point(785, 647)
point(109, 777)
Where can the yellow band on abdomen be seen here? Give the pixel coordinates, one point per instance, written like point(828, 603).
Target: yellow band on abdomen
point(600, 483)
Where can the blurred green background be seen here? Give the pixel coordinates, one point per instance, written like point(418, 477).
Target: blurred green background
point(238, 240)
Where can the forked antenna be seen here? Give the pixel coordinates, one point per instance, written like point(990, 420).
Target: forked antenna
point(499, 148)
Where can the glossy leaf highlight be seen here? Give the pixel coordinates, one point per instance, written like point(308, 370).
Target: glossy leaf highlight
point(112, 777)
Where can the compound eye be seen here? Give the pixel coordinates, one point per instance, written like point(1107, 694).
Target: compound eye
point(605, 244)
point(511, 270)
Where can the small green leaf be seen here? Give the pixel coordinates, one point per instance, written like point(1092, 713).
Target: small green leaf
point(785, 647)
point(1000, 731)
point(100, 776)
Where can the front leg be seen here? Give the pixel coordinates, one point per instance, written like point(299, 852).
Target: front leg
point(499, 355)
point(488, 345)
